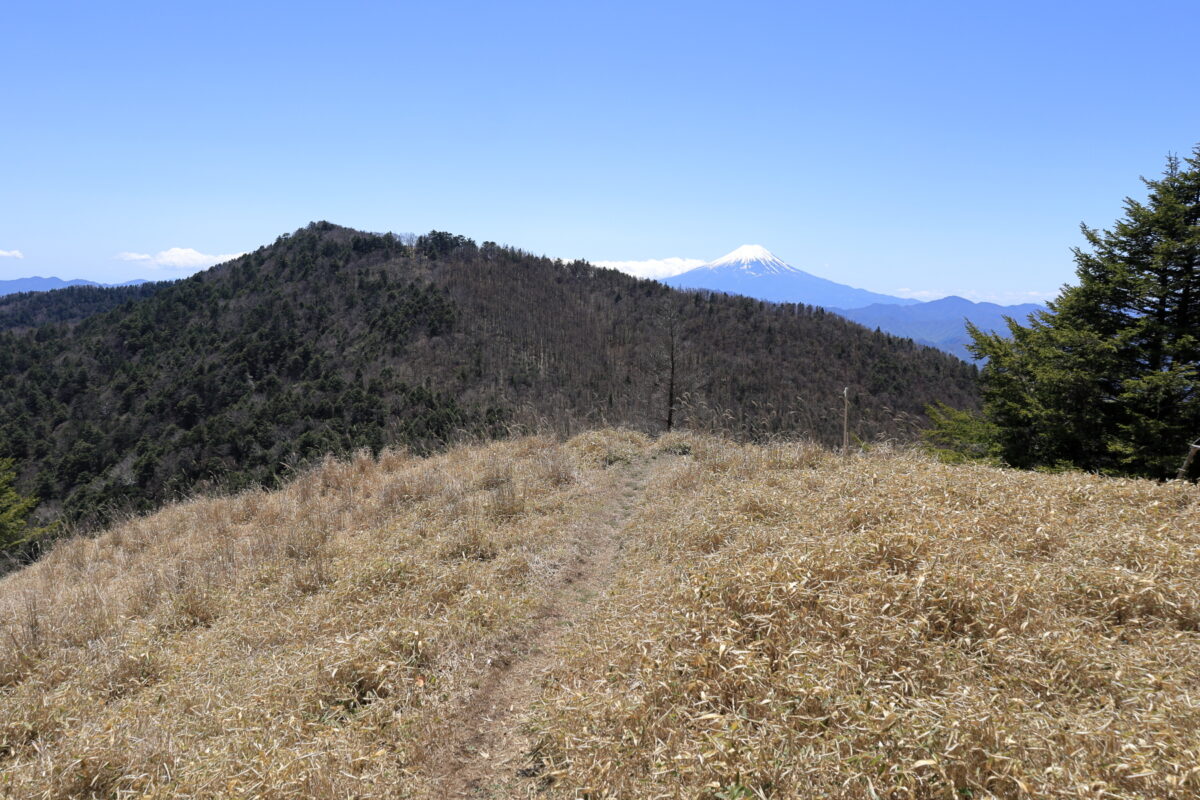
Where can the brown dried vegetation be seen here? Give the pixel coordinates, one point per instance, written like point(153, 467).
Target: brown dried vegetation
point(784, 623)
point(789, 623)
point(302, 643)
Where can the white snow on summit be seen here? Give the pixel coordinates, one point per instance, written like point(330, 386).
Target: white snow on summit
point(753, 259)
point(752, 271)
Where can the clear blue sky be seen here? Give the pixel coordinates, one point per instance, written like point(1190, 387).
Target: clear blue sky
point(934, 147)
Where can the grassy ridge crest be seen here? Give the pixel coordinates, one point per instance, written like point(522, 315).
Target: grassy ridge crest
point(780, 622)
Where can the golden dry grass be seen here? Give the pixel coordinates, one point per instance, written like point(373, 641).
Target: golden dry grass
point(794, 624)
point(304, 643)
point(784, 623)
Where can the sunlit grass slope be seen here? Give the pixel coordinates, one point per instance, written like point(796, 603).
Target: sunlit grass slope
point(792, 624)
point(782, 622)
point(304, 643)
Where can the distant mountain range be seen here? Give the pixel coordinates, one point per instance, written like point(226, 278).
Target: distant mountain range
point(39, 284)
point(753, 271)
point(940, 323)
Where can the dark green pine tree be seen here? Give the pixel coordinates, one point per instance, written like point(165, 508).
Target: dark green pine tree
point(14, 510)
point(1108, 379)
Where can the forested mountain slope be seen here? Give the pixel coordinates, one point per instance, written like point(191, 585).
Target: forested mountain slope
point(67, 305)
point(331, 339)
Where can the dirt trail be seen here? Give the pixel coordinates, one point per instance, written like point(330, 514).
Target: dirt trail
point(488, 749)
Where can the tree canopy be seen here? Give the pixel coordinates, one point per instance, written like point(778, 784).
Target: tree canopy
point(332, 340)
point(14, 509)
point(1107, 379)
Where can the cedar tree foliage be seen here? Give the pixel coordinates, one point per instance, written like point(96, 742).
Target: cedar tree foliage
point(14, 508)
point(1107, 380)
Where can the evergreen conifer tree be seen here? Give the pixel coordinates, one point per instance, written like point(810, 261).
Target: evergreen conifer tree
point(1109, 378)
point(14, 509)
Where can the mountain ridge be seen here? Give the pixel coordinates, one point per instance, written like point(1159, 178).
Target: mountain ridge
point(68, 305)
point(940, 323)
point(36, 283)
point(330, 340)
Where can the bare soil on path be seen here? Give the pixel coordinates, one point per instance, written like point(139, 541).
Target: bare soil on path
point(486, 754)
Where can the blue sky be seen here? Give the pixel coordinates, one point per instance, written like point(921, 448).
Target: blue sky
point(921, 148)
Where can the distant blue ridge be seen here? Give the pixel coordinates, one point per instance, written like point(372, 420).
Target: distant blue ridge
point(38, 284)
point(940, 323)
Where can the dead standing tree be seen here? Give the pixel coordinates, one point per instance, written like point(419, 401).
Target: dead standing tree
point(671, 372)
point(672, 343)
point(1193, 448)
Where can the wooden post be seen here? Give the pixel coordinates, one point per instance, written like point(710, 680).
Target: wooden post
point(1187, 462)
point(846, 421)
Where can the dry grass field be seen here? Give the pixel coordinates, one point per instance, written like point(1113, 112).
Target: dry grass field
point(619, 617)
point(792, 624)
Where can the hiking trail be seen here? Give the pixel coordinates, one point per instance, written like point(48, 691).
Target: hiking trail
point(487, 748)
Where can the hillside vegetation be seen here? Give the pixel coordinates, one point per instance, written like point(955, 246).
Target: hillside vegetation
point(1107, 378)
point(616, 616)
point(68, 305)
point(331, 340)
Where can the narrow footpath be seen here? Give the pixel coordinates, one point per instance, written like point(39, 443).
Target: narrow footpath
point(486, 755)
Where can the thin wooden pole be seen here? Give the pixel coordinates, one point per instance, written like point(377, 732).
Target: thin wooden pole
point(846, 421)
point(1187, 462)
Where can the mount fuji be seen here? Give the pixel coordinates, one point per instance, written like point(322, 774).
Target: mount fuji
point(754, 271)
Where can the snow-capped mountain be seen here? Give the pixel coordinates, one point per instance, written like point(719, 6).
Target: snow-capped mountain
point(752, 270)
point(752, 259)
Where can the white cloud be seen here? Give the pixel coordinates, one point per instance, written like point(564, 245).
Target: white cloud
point(178, 258)
point(11, 254)
point(654, 267)
point(919, 294)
